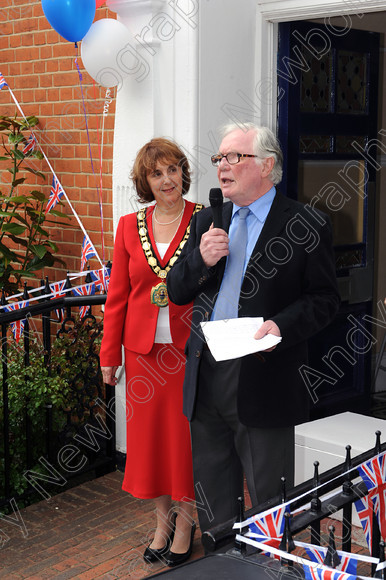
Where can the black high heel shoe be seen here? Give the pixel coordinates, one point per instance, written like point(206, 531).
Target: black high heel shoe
point(172, 559)
point(157, 554)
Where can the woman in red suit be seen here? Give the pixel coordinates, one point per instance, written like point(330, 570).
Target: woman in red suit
point(153, 332)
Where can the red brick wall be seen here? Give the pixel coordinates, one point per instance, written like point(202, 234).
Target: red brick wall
point(40, 68)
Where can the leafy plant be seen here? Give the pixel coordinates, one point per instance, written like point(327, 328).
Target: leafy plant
point(74, 354)
point(25, 247)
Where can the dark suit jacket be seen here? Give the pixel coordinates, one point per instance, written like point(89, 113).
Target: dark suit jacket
point(290, 279)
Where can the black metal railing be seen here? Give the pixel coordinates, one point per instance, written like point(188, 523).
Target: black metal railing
point(48, 443)
point(342, 487)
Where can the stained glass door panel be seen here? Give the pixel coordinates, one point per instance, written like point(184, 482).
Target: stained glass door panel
point(328, 88)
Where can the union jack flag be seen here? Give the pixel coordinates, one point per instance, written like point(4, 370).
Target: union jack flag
point(56, 194)
point(274, 542)
point(347, 563)
point(85, 290)
point(378, 497)
point(364, 507)
point(17, 327)
point(57, 289)
point(270, 525)
point(87, 252)
point(373, 473)
point(324, 573)
point(30, 145)
point(101, 278)
point(316, 553)
point(107, 277)
point(3, 82)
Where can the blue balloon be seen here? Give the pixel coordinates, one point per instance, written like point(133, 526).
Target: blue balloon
point(70, 18)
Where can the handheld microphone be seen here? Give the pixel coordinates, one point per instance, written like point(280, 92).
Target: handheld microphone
point(216, 200)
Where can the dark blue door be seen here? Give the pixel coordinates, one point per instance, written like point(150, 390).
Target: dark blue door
point(327, 119)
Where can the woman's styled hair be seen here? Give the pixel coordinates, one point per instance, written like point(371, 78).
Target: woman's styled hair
point(158, 150)
point(265, 144)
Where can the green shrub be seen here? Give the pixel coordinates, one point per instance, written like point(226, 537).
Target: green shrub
point(57, 379)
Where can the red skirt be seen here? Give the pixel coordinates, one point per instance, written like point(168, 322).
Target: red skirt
point(158, 450)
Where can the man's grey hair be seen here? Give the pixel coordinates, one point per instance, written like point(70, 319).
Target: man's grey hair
point(265, 144)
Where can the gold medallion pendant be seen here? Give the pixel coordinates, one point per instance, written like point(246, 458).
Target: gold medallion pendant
point(159, 295)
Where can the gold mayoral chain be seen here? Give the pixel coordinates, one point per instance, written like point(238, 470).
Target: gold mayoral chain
point(159, 293)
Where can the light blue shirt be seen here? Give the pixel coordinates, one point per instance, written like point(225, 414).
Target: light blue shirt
point(259, 210)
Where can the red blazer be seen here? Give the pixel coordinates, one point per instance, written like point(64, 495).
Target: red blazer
point(130, 318)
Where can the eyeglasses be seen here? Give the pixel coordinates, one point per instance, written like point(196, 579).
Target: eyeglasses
point(231, 157)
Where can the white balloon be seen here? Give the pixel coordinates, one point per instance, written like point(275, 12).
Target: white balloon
point(108, 52)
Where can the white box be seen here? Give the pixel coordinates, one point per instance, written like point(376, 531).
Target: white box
point(325, 440)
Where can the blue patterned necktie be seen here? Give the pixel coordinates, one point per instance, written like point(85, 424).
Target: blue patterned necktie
point(227, 303)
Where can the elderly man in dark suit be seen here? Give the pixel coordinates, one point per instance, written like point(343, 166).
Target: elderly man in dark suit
point(242, 412)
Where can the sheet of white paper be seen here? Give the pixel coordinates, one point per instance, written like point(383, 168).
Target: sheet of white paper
point(233, 338)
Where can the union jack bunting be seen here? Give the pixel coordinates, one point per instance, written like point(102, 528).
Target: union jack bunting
point(274, 542)
point(318, 554)
point(270, 525)
point(378, 497)
point(364, 507)
point(85, 290)
point(3, 82)
point(373, 473)
point(57, 289)
point(324, 573)
point(101, 278)
point(87, 252)
point(17, 327)
point(56, 194)
point(30, 145)
point(107, 277)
